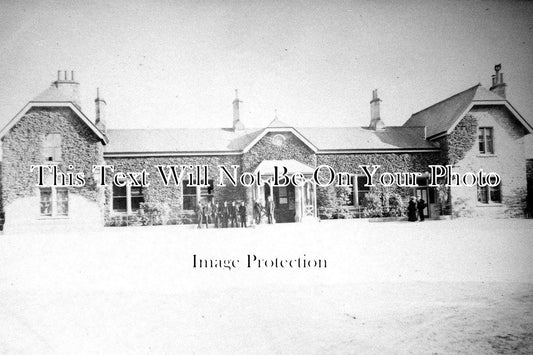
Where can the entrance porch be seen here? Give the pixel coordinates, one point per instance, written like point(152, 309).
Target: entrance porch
point(292, 203)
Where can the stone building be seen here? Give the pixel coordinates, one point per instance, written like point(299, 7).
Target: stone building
point(474, 129)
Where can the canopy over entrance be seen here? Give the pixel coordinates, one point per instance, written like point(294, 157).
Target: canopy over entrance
point(292, 203)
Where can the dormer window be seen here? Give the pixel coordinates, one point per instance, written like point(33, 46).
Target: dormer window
point(486, 140)
point(52, 147)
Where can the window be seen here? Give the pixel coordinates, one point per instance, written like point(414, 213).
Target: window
point(127, 198)
point(194, 194)
point(488, 195)
point(486, 140)
point(206, 193)
point(189, 197)
point(362, 191)
point(120, 198)
point(137, 197)
point(52, 148)
point(54, 202)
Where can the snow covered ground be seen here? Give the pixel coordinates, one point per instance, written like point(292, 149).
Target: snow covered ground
point(460, 286)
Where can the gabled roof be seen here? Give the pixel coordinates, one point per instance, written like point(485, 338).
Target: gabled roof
point(60, 91)
point(70, 105)
point(212, 141)
point(443, 116)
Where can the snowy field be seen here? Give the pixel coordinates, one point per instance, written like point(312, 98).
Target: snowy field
point(437, 287)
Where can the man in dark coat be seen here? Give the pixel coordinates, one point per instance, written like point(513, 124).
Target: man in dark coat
point(420, 205)
point(233, 214)
point(225, 214)
point(411, 210)
point(217, 214)
point(242, 215)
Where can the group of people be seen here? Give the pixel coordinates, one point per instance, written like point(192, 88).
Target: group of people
point(268, 210)
point(223, 215)
point(232, 215)
point(415, 209)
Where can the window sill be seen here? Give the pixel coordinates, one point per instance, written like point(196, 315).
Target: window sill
point(52, 217)
point(487, 155)
point(494, 204)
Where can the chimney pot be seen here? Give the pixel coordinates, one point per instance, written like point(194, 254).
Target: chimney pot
point(498, 86)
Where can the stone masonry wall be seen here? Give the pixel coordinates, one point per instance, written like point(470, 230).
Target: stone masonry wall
point(22, 147)
point(508, 161)
point(171, 195)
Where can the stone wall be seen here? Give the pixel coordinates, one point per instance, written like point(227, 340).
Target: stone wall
point(171, 195)
point(508, 161)
point(22, 147)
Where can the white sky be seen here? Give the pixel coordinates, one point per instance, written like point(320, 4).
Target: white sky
point(176, 64)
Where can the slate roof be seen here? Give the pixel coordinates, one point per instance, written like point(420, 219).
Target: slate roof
point(441, 116)
point(225, 140)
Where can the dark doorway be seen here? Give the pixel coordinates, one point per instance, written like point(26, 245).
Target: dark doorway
point(284, 200)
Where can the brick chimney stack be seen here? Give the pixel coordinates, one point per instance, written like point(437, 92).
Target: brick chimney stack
point(100, 111)
point(498, 86)
point(237, 123)
point(375, 118)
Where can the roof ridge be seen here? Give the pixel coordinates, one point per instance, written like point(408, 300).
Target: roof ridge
point(446, 99)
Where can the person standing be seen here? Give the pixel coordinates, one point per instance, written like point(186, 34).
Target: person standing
point(199, 214)
point(233, 214)
point(242, 215)
point(257, 212)
point(270, 210)
point(411, 210)
point(206, 215)
point(225, 214)
point(420, 205)
point(217, 212)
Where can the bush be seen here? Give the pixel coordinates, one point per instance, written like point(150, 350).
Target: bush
point(384, 202)
point(153, 213)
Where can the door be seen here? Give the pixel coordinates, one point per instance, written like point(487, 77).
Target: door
point(423, 193)
point(284, 201)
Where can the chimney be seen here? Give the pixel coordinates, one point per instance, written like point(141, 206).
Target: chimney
point(100, 111)
point(66, 88)
point(498, 86)
point(237, 123)
point(375, 119)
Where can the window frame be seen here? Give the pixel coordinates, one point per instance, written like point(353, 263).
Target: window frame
point(201, 193)
point(54, 211)
point(483, 140)
point(128, 197)
point(485, 192)
point(51, 151)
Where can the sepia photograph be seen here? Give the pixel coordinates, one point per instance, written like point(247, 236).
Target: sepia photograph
point(266, 177)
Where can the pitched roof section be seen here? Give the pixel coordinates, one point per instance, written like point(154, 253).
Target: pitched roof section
point(187, 141)
point(70, 105)
point(60, 91)
point(179, 140)
point(363, 138)
point(443, 115)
